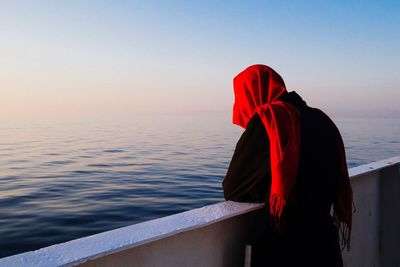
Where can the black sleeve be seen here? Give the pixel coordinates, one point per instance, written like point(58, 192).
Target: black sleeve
point(249, 177)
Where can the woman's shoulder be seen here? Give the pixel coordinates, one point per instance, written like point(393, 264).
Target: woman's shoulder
point(317, 116)
point(255, 125)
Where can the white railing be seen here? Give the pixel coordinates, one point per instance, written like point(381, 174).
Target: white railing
point(216, 235)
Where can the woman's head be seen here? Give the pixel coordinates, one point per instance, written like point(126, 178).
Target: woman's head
point(255, 86)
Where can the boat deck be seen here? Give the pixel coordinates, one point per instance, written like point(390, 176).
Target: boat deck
point(216, 235)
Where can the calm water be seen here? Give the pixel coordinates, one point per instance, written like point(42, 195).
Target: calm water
point(63, 181)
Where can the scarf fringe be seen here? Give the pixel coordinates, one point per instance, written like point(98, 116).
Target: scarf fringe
point(344, 232)
point(277, 205)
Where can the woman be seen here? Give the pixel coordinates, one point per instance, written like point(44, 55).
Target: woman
point(291, 157)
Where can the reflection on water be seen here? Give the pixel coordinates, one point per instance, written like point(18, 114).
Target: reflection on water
point(64, 181)
point(368, 140)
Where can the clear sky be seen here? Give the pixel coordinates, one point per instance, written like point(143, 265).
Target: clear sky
point(125, 58)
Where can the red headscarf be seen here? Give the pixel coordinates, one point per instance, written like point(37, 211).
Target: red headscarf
point(257, 90)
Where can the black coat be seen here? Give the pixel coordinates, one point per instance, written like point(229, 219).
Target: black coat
point(309, 237)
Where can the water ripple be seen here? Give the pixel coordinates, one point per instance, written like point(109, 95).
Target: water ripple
point(60, 182)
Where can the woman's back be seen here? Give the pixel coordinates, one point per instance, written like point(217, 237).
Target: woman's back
point(310, 230)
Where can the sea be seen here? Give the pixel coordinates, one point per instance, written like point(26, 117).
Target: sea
point(64, 180)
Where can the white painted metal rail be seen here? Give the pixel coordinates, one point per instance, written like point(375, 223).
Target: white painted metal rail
point(109, 245)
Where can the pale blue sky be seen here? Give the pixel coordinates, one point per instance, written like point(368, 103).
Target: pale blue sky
point(122, 58)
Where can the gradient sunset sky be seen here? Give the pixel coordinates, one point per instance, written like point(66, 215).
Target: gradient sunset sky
point(70, 59)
